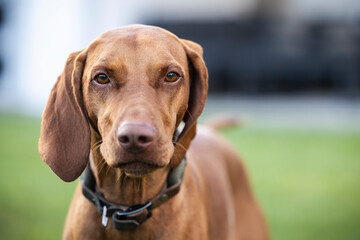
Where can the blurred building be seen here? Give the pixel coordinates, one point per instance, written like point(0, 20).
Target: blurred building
point(283, 47)
point(251, 46)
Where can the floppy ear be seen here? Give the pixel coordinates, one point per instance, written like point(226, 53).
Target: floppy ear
point(65, 135)
point(198, 92)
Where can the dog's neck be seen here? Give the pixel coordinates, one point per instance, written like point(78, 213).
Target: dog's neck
point(121, 189)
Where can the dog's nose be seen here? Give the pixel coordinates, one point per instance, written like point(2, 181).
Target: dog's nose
point(135, 137)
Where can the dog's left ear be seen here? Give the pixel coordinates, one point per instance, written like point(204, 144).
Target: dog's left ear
point(198, 92)
point(65, 135)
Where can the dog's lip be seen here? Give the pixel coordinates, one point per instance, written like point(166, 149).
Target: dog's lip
point(137, 167)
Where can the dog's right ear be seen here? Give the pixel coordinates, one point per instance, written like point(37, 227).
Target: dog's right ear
point(65, 135)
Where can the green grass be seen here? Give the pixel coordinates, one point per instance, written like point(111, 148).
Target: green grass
point(33, 201)
point(307, 183)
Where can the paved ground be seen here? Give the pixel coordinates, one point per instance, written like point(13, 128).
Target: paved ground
point(302, 112)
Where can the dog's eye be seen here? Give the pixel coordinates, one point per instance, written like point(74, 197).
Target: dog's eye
point(171, 77)
point(102, 79)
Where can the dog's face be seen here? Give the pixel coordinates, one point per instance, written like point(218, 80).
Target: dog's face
point(135, 85)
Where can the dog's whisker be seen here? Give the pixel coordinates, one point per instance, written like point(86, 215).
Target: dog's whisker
point(143, 182)
point(107, 171)
point(123, 182)
point(96, 145)
point(98, 142)
point(101, 165)
point(100, 162)
point(180, 145)
point(138, 185)
point(119, 176)
point(190, 115)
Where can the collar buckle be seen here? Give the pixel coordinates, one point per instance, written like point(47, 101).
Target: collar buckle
point(132, 217)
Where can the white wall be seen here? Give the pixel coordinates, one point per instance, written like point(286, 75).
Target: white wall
point(38, 35)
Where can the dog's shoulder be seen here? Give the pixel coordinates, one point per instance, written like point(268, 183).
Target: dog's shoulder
point(210, 147)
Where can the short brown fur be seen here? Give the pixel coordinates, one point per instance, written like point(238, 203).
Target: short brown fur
point(82, 119)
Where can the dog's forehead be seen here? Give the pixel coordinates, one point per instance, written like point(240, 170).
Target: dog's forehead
point(138, 39)
point(134, 31)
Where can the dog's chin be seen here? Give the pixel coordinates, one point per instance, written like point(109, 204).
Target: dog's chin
point(137, 169)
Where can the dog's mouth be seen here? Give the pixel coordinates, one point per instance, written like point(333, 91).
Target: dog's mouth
point(138, 168)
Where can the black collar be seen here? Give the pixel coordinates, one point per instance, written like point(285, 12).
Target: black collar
point(130, 217)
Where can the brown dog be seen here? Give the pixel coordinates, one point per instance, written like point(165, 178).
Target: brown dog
point(117, 105)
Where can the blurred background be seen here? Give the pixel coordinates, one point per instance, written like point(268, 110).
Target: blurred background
point(289, 68)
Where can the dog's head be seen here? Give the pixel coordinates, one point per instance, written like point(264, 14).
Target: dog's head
point(132, 86)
